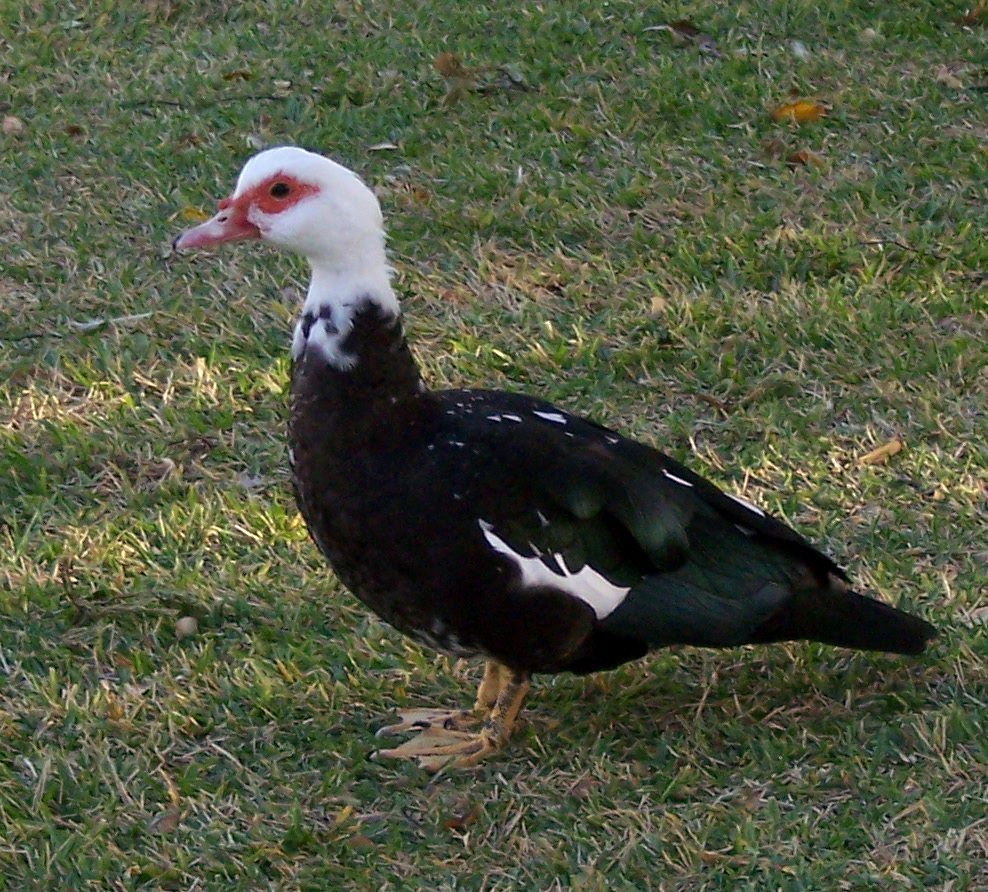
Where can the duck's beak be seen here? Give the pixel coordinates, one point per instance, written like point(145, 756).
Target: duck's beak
point(230, 224)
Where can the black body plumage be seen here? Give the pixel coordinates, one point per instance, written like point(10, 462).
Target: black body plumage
point(404, 490)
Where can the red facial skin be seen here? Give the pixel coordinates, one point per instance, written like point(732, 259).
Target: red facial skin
point(271, 196)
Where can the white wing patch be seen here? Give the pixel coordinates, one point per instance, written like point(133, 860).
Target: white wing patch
point(554, 417)
point(676, 479)
point(589, 586)
point(746, 504)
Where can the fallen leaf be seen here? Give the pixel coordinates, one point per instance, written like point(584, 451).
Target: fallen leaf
point(799, 110)
point(449, 65)
point(165, 821)
point(804, 158)
point(360, 842)
point(883, 453)
point(173, 796)
point(12, 125)
point(459, 79)
point(382, 147)
point(685, 29)
point(192, 214)
point(239, 74)
point(114, 708)
point(657, 306)
point(74, 130)
point(978, 15)
point(343, 816)
point(461, 821)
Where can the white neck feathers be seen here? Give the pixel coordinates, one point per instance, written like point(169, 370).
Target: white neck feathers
point(334, 296)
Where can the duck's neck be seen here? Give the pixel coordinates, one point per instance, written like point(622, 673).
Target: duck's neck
point(349, 333)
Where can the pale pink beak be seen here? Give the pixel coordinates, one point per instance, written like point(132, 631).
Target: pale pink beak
point(229, 225)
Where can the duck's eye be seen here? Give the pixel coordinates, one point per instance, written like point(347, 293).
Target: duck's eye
point(279, 190)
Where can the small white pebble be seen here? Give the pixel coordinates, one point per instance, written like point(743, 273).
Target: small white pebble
point(186, 627)
point(868, 35)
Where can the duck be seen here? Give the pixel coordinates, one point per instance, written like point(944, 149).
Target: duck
point(496, 525)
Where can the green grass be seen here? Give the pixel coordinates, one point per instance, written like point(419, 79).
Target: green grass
point(617, 238)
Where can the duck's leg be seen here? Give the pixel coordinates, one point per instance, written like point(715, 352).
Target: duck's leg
point(452, 719)
point(442, 739)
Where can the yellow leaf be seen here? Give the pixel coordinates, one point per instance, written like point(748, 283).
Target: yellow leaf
point(883, 453)
point(193, 214)
point(799, 110)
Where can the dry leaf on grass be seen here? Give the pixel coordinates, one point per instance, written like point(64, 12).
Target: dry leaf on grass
point(449, 65)
point(804, 158)
point(977, 15)
point(165, 821)
point(801, 111)
point(114, 708)
point(461, 821)
point(459, 79)
point(883, 453)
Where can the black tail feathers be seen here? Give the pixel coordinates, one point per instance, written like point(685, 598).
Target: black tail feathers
point(838, 616)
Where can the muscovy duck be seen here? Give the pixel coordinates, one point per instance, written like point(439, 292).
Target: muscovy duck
point(494, 524)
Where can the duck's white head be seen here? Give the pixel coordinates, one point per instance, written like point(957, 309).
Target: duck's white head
point(308, 204)
point(299, 201)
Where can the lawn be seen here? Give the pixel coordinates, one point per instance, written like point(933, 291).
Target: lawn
point(584, 205)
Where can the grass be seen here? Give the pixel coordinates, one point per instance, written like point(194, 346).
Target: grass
point(623, 237)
